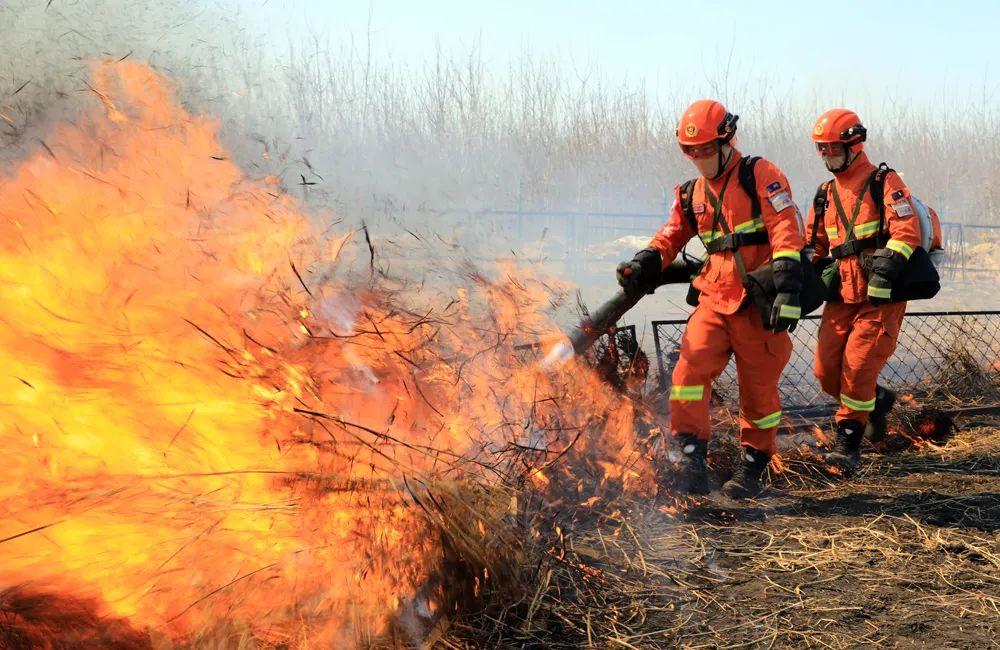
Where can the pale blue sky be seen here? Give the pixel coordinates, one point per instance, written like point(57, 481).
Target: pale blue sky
point(850, 51)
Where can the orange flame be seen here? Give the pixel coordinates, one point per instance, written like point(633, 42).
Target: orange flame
point(194, 437)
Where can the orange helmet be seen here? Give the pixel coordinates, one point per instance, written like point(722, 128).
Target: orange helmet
point(840, 125)
point(704, 121)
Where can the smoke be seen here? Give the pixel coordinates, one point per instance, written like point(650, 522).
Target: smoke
point(425, 146)
point(372, 137)
point(45, 49)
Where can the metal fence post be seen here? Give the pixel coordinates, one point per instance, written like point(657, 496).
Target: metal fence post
point(961, 251)
point(520, 212)
point(661, 375)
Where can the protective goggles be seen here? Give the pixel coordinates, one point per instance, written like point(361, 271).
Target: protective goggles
point(701, 150)
point(830, 148)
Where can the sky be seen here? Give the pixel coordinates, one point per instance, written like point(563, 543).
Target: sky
point(849, 51)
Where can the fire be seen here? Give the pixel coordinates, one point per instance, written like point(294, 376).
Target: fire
point(212, 423)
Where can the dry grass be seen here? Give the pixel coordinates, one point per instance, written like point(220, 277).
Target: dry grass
point(905, 549)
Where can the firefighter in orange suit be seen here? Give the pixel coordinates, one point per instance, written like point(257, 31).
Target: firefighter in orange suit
point(858, 332)
point(724, 322)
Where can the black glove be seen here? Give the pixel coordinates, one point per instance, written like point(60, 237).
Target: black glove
point(787, 275)
point(785, 312)
point(642, 273)
point(886, 267)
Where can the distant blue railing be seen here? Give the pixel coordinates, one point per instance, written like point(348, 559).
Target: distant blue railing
point(578, 230)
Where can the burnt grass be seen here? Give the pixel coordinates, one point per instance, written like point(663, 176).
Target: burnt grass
point(904, 553)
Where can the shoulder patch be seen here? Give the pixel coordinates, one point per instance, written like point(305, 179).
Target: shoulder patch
point(902, 209)
point(698, 208)
point(773, 187)
point(780, 201)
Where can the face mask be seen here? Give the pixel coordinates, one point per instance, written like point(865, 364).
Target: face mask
point(712, 166)
point(836, 157)
point(835, 163)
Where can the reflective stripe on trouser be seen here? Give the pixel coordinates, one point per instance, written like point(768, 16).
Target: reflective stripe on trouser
point(856, 404)
point(855, 340)
point(687, 393)
point(710, 338)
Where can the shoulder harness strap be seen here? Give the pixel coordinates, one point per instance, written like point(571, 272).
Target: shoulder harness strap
point(878, 195)
point(734, 240)
point(748, 181)
point(687, 204)
point(820, 202)
point(855, 246)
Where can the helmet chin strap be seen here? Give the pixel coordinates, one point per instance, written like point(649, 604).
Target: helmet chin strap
point(722, 165)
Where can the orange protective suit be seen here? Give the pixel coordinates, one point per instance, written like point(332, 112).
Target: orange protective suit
point(724, 322)
point(856, 338)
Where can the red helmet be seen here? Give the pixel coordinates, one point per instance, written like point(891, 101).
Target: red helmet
point(704, 121)
point(840, 125)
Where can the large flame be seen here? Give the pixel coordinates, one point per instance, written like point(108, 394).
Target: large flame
point(208, 422)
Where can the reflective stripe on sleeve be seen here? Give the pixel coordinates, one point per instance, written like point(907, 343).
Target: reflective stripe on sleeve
point(786, 254)
point(900, 247)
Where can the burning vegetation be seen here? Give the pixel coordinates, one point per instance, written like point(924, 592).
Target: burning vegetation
point(222, 424)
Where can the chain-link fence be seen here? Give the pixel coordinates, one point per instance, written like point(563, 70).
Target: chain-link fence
point(968, 251)
point(929, 343)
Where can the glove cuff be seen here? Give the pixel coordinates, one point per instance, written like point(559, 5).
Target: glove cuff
point(788, 305)
point(879, 290)
point(887, 263)
point(650, 261)
point(895, 256)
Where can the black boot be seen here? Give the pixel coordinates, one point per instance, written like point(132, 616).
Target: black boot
point(885, 399)
point(846, 452)
point(745, 481)
point(692, 470)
